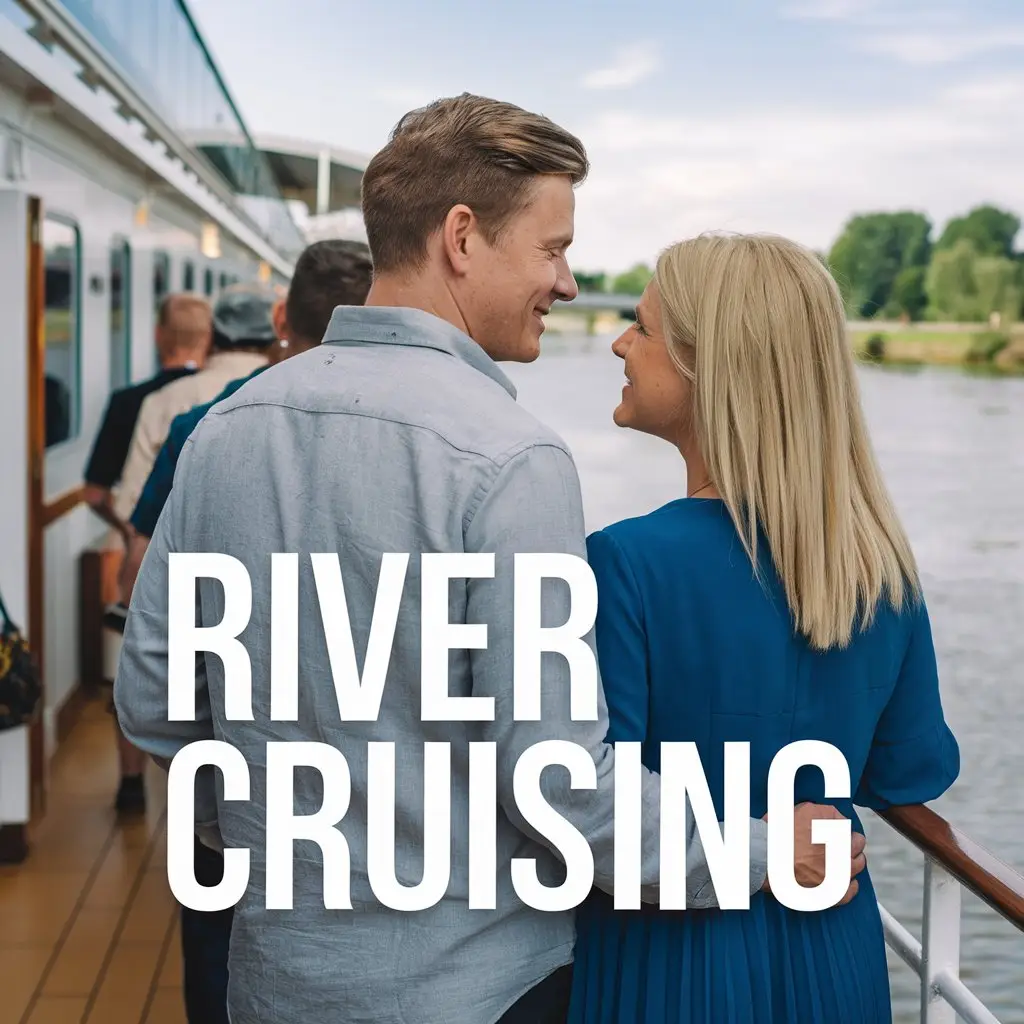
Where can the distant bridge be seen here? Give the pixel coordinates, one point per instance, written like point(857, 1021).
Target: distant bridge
point(599, 302)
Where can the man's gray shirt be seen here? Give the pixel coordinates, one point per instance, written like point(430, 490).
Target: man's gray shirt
point(398, 434)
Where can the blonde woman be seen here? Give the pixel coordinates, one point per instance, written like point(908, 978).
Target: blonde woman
point(779, 600)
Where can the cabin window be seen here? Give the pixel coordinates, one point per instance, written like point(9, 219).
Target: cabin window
point(188, 277)
point(208, 282)
point(223, 281)
point(161, 281)
point(120, 314)
point(62, 249)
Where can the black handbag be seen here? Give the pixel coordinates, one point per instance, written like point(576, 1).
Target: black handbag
point(21, 689)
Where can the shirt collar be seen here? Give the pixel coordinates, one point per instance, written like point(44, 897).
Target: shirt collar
point(229, 361)
point(402, 325)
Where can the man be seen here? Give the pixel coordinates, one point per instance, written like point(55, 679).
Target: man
point(183, 334)
point(327, 274)
point(401, 434)
point(182, 341)
point(242, 333)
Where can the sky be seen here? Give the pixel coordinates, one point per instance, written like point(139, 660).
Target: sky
point(786, 116)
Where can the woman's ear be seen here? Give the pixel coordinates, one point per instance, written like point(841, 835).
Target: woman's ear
point(281, 349)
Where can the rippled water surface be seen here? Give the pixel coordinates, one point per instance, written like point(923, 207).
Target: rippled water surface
point(952, 448)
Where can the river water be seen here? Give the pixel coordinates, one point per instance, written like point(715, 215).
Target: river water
point(951, 446)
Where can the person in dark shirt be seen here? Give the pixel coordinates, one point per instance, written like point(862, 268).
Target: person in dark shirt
point(328, 274)
point(183, 335)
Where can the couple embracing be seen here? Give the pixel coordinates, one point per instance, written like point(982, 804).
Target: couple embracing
point(777, 599)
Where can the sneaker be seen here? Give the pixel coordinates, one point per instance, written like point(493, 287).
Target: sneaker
point(115, 617)
point(131, 795)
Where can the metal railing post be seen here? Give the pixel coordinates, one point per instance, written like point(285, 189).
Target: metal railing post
point(940, 941)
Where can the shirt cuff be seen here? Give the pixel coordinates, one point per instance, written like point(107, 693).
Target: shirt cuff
point(143, 521)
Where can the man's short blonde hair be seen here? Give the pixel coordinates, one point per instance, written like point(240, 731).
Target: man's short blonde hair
point(186, 313)
point(185, 322)
point(465, 150)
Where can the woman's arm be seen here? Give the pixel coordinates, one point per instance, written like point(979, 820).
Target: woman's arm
point(914, 756)
point(621, 640)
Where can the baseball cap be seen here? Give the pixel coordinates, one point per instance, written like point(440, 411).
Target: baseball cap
point(242, 316)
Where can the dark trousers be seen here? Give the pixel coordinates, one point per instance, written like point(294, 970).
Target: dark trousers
point(545, 1003)
point(205, 940)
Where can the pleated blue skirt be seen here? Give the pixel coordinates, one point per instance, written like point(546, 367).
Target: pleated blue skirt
point(768, 965)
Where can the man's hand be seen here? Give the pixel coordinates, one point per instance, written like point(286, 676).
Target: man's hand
point(132, 562)
point(809, 858)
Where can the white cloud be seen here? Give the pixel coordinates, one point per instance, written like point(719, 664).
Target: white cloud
point(915, 32)
point(904, 14)
point(800, 172)
point(925, 48)
point(829, 10)
point(631, 65)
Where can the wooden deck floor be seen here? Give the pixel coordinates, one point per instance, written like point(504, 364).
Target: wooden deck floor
point(88, 927)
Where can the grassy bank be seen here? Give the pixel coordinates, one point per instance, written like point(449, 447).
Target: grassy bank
point(970, 346)
point(914, 346)
point(568, 321)
point(973, 346)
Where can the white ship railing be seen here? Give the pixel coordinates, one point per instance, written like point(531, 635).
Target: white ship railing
point(953, 862)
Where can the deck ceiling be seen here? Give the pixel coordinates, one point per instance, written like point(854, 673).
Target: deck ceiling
point(296, 176)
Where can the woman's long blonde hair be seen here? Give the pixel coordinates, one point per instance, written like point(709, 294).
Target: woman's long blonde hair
point(757, 324)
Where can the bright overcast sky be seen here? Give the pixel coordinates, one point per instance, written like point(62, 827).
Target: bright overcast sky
point(767, 115)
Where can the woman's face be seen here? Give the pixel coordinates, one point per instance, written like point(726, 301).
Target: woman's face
point(656, 396)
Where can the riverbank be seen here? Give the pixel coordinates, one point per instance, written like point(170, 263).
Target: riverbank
point(971, 346)
point(567, 321)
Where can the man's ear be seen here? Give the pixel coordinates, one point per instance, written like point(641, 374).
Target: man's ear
point(460, 234)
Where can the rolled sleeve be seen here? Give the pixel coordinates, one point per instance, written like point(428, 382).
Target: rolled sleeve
point(914, 757)
point(110, 448)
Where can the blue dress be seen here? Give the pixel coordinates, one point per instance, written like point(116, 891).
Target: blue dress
point(693, 648)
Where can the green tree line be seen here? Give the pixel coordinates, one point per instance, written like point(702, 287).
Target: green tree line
point(630, 282)
point(888, 267)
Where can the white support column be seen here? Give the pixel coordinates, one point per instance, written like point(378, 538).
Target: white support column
point(940, 945)
point(14, 747)
point(323, 182)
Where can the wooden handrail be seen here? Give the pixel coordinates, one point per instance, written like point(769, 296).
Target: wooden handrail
point(62, 505)
point(999, 885)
